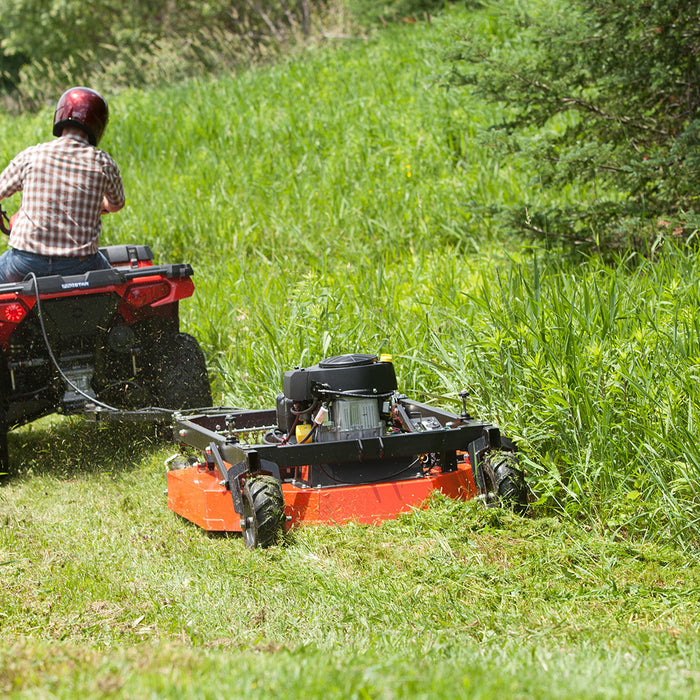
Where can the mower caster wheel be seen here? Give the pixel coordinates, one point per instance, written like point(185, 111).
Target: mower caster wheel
point(263, 518)
point(504, 481)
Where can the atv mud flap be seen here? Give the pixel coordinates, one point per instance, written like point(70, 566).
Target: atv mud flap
point(197, 494)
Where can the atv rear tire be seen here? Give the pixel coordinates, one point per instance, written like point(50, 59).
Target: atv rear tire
point(178, 373)
point(263, 512)
point(504, 481)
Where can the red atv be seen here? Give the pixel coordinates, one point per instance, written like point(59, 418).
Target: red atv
point(106, 340)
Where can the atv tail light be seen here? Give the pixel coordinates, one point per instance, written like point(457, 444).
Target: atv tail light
point(143, 295)
point(12, 312)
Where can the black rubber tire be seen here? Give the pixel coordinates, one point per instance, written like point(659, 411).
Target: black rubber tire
point(263, 512)
point(4, 450)
point(505, 479)
point(178, 373)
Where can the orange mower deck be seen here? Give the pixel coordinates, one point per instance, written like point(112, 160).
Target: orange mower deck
point(197, 495)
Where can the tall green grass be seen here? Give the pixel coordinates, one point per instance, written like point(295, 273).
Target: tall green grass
point(597, 367)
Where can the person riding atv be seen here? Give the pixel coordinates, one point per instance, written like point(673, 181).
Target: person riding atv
point(66, 185)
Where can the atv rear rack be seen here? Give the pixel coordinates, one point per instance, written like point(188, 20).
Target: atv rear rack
point(57, 284)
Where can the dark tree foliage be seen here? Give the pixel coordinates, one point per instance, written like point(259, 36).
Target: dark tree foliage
point(612, 89)
point(110, 44)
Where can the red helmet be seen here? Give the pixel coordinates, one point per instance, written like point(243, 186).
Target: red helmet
point(84, 108)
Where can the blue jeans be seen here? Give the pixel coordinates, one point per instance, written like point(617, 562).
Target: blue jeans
point(15, 265)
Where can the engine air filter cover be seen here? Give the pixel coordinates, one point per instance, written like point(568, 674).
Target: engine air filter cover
point(351, 360)
point(353, 373)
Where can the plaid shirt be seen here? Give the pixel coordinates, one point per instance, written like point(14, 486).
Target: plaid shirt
point(63, 183)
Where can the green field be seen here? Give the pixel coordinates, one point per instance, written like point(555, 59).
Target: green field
point(327, 204)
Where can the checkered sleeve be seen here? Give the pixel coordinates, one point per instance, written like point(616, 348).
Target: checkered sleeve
point(114, 188)
point(11, 177)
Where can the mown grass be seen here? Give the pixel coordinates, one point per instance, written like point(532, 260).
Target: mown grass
point(324, 205)
point(106, 592)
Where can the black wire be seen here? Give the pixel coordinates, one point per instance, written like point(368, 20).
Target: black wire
point(360, 483)
point(284, 440)
point(305, 411)
point(351, 395)
point(92, 399)
point(274, 437)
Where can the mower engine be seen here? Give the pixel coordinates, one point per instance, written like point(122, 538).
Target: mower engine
point(346, 397)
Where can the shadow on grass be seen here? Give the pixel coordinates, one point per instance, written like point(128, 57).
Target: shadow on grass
point(66, 447)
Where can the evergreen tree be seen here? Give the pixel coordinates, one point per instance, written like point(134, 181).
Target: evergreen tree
point(613, 89)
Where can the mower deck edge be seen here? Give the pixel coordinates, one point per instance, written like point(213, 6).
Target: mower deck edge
point(197, 494)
